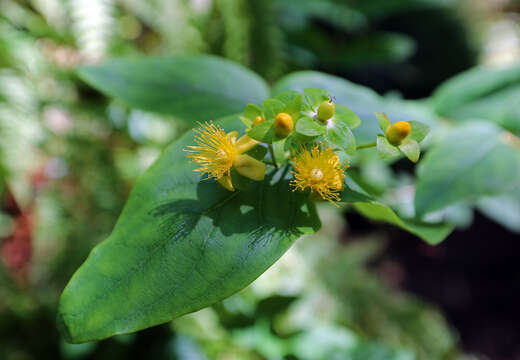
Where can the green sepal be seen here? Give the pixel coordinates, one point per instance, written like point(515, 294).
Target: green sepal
point(419, 131)
point(384, 121)
point(385, 149)
point(410, 149)
point(309, 127)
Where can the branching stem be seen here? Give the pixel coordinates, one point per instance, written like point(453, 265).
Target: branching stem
point(366, 146)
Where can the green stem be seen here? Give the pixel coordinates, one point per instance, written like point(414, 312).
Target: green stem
point(365, 146)
point(271, 151)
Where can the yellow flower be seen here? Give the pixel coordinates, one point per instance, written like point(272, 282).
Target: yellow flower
point(320, 171)
point(217, 151)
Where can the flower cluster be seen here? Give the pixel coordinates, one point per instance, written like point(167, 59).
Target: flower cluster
point(309, 131)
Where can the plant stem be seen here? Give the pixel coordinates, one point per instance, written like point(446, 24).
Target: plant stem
point(271, 151)
point(365, 146)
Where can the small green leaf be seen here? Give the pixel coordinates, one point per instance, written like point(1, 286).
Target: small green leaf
point(272, 107)
point(251, 111)
point(340, 135)
point(181, 243)
point(246, 121)
point(432, 233)
point(294, 107)
point(385, 149)
point(258, 152)
point(475, 160)
point(309, 127)
point(352, 193)
point(263, 132)
point(411, 149)
point(419, 131)
point(296, 140)
point(347, 116)
point(314, 97)
point(189, 87)
point(287, 96)
point(384, 121)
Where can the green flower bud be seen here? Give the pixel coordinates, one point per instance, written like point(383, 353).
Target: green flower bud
point(326, 110)
point(257, 120)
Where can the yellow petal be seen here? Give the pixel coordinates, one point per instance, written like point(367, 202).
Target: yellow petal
point(225, 182)
point(249, 167)
point(245, 143)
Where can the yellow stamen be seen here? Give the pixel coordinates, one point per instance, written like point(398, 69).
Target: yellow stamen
point(320, 171)
point(215, 151)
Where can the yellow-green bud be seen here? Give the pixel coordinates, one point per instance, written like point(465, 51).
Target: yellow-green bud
point(397, 132)
point(257, 120)
point(283, 125)
point(326, 110)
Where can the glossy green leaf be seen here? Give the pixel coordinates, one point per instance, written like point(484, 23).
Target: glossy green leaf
point(179, 245)
point(189, 87)
point(410, 149)
point(432, 233)
point(475, 160)
point(309, 127)
point(384, 121)
point(418, 131)
point(386, 150)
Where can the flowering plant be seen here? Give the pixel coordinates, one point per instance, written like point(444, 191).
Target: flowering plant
point(226, 200)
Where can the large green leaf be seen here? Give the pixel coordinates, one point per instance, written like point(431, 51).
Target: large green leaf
point(190, 87)
point(181, 244)
point(362, 100)
point(432, 233)
point(475, 160)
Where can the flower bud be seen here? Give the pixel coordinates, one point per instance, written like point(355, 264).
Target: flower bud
point(249, 167)
point(326, 110)
point(397, 132)
point(257, 120)
point(283, 125)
